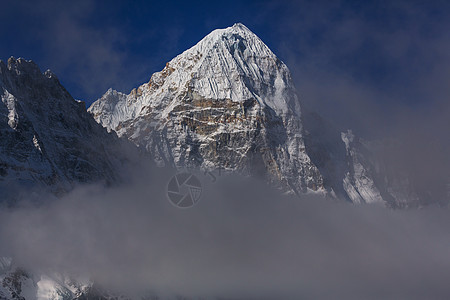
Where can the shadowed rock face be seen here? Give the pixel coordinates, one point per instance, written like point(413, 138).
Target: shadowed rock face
point(48, 138)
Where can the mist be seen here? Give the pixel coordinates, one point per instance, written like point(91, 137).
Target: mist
point(241, 240)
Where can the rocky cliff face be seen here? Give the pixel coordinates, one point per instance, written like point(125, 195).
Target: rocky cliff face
point(47, 137)
point(228, 102)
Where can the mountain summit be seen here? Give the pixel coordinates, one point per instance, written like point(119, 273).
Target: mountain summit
point(228, 102)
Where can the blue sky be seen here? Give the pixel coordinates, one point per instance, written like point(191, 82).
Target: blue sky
point(357, 57)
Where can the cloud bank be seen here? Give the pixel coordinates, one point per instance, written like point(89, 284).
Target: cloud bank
point(241, 241)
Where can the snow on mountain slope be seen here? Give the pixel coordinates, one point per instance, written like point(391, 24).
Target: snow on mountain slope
point(48, 138)
point(17, 283)
point(231, 63)
point(358, 181)
point(228, 102)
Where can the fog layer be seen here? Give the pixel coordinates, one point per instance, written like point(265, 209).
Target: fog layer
point(241, 240)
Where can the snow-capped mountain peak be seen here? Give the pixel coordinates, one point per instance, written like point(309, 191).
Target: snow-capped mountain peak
point(240, 66)
point(231, 63)
point(226, 102)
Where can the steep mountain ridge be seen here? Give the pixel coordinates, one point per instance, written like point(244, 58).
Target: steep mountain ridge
point(47, 138)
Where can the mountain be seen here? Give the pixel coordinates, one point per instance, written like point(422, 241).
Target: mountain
point(47, 138)
point(226, 103)
point(353, 169)
point(229, 102)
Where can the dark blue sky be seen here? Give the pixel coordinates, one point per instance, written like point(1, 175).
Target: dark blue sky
point(357, 57)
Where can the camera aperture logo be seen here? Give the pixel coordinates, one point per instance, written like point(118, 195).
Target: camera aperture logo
point(184, 190)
